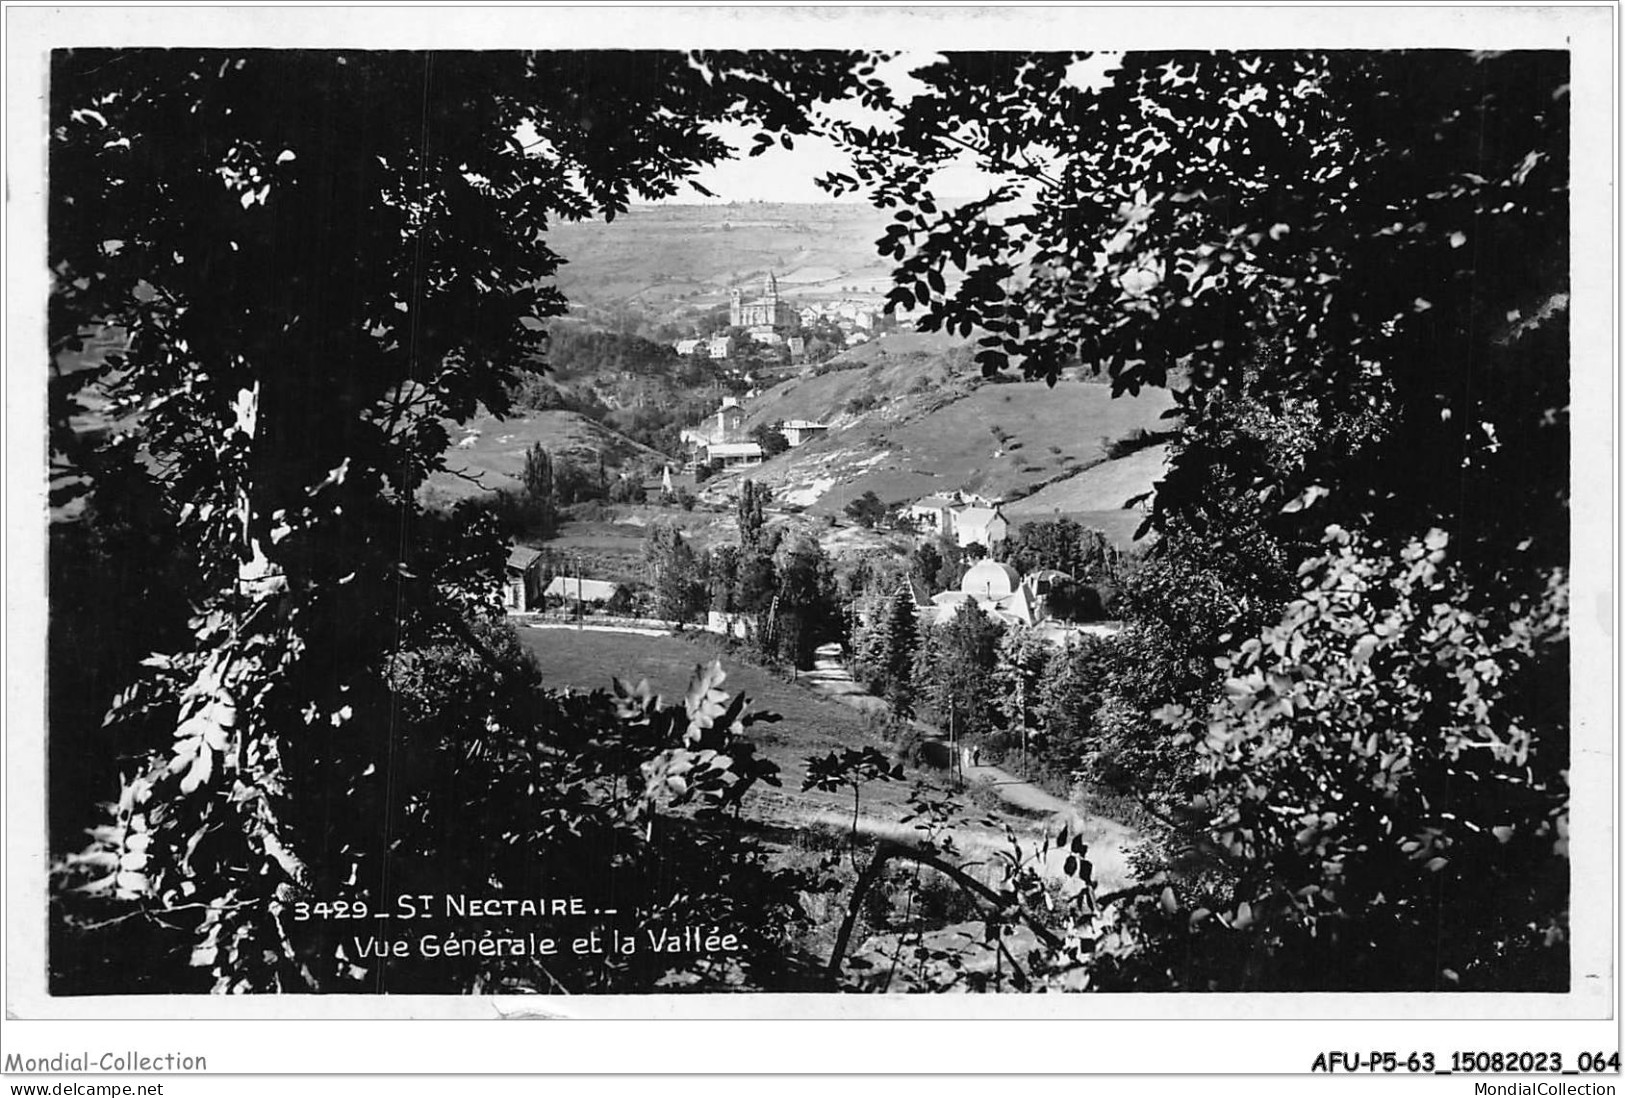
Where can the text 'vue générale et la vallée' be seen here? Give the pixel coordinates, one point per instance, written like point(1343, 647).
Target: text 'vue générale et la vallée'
point(624, 943)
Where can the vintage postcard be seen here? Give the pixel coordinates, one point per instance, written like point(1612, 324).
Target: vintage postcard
point(776, 513)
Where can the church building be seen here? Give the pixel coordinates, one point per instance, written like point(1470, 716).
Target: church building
point(767, 311)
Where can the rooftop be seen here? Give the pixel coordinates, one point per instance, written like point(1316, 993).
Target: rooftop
point(586, 590)
point(990, 579)
point(735, 449)
point(523, 556)
point(976, 516)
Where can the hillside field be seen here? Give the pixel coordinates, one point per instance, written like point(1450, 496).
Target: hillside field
point(1096, 496)
point(493, 450)
point(931, 429)
point(812, 724)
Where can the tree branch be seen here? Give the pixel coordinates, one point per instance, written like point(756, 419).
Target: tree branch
point(889, 849)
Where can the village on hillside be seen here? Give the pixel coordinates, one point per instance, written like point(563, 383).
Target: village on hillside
point(729, 445)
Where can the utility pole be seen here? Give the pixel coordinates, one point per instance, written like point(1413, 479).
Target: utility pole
point(1021, 713)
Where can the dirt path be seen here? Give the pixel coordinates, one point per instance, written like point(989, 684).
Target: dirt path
point(830, 675)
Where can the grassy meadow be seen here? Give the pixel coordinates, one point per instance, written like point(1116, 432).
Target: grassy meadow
point(813, 724)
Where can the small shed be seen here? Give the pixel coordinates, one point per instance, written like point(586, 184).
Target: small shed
point(522, 580)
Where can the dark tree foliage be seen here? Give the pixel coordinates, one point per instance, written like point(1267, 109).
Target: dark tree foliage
point(902, 638)
point(678, 577)
point(1378, 222)
point(925, 564)
point(770, 438)
point(871, 573)
point(1069, 697)
point(757, 577)
point(884, 648)
point(574, 349)
point(808, 610)
point(751, 512)
point(633, 385)
point(540, 496)
point(953, 672)
point(866, 510)
point(1351, 270)
point(1418, 839)
point(722, 578)
point(628, 488)
point(939, 564)
point(1061, 544)
point(114, 570)
point(322, 258)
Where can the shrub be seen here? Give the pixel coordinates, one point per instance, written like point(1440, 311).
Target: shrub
point(1387, 783)
point(1137, 439)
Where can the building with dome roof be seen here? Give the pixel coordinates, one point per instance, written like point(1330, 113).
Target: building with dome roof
point(990, 580)
point(1009, 598)
point(1001, 592)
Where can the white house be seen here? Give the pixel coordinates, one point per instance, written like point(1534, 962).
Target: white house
point(979, 526)
point(734, 454)
point(798, 431)
point(725, 425)
point(968, 519)
point(686, 347)
point(933, 514)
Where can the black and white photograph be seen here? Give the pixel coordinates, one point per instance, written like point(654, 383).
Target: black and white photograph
point(844, 521)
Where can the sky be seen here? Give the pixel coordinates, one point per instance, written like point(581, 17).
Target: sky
point(786, 175)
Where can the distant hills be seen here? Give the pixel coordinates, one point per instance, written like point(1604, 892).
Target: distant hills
point(663, 259)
